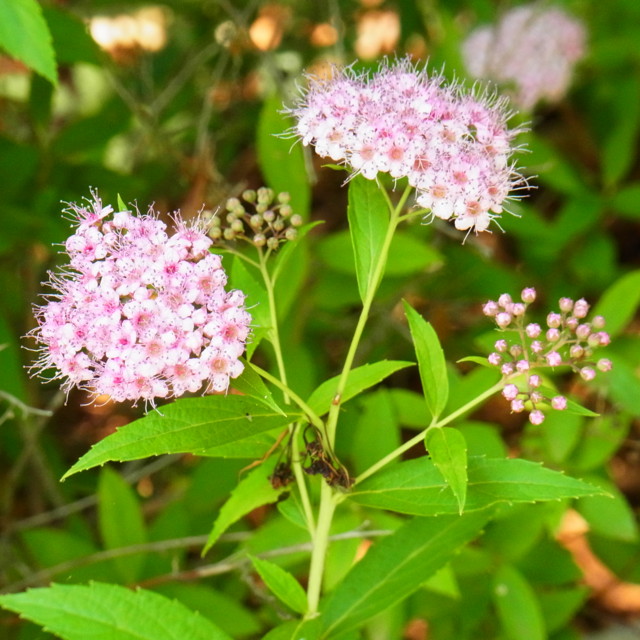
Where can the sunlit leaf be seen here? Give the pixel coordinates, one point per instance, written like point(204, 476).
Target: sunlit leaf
point(417, 487)
point(395, 567)
point(189, 425)
point(359, 379)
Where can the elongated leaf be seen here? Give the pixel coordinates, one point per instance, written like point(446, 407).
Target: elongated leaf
point(395, 567)
point(296, 630)
point(253, 490)
point(281, 159)
point(619, 302)
point(24, 35)
point(253, 447)
point(98, 610)
point(120, 521)
point(190, 425)
point(518, 608)
point(360, 378)
point(282, 584)
point(431, 362)
point(251, 384)
point(368, 222)
point(416, 487)
point(448, 450)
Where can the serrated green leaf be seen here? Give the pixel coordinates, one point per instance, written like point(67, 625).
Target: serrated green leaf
point(253, 491)
point(518, 608)
point(619, 303)
point(78, 612)
point(283, 585)
point(24, 35)
point(395, 567)
point(448, 450)
point(251, 384)
point(416, 486)
point(281, 160)
point(253, 447)
point(189, 425)
point(431, 362)
point(359, 379)
point(120, 521)
point(257, 300)
point(368, 222)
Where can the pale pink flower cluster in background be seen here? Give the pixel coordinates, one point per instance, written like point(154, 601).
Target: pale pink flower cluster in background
point(454, 147)
point(568, 340)
point(532, 50)
point(138, 314)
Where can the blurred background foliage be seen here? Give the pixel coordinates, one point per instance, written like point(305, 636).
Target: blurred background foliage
point(175, 103)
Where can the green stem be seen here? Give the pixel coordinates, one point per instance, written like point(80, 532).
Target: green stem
point(394, 219)
point(288, 395)
point(320, 546)
point(436, 424)
point(309, 413)
point(328, 498)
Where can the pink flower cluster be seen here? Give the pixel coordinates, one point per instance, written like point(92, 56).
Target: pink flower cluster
point(454, 148)
point(137, 314)
point(532, 50)
point(568, 340)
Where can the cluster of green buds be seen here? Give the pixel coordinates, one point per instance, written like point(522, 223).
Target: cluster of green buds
point(259, 217)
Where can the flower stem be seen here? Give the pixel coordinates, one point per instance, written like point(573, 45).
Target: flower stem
point(328, 498)
point(288, 395)
point(436, 424)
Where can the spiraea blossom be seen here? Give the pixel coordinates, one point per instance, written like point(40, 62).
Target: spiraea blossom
point(532, 51)
point(138, 314)
point(567, 340)
point(453, 146)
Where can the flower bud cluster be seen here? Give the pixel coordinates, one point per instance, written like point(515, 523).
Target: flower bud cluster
point(454, 147)
point(260, 217)
point(138, 314)
point(568, 339)
point(532, 49)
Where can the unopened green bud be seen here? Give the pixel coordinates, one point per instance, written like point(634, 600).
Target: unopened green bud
point(286, 210)
point(265, 195)
point(249, 195)
point(284, 197)
point(278, 224)
point(256, 221)
point(231, 217)
point(261, 207)
point(291, 233)
point(215, 221)
point(229, 234)
point(296, 220)
point(232, 203)
point(237, 226)
point(272, 243)
point(215, 233)
point(259, 240)
point(269, 215)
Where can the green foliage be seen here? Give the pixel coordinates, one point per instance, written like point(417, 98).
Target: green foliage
point(76, 612)
point(25, 36)
point(368, 221)
point(397, 566)
point(188, 425)
point(417, 487)
point(435, 503)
